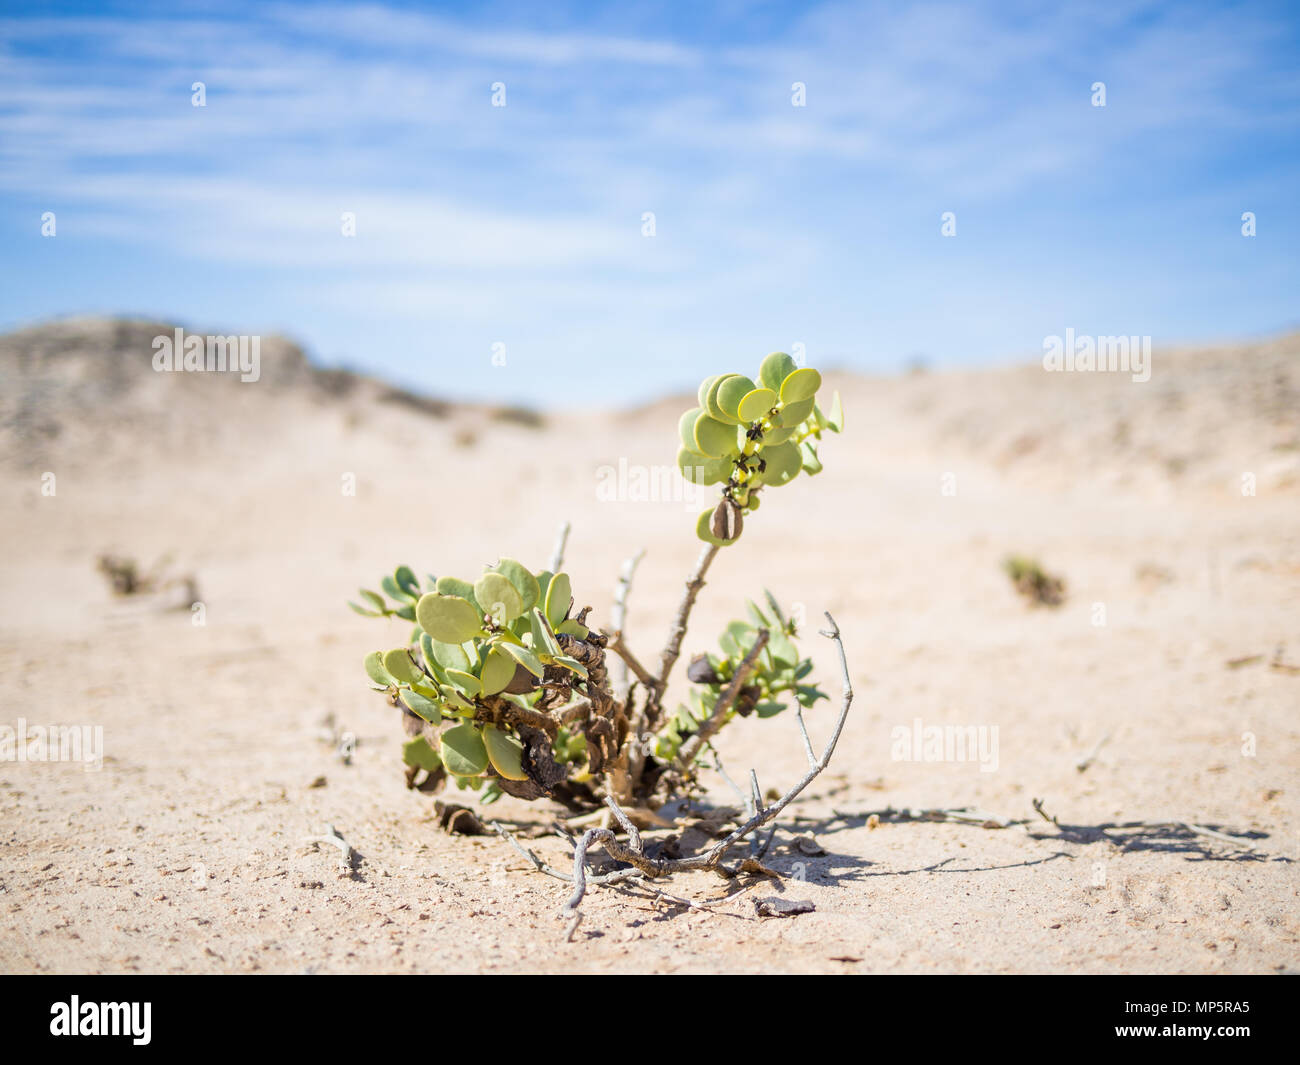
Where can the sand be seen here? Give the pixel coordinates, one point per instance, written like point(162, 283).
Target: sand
point(187, 852)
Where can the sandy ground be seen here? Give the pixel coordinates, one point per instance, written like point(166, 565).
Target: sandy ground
point(186, 852)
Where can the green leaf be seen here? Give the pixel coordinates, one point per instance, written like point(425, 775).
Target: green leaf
point(701, 469)
point(458, 703)
point(498, 597)
point(455, 586)
point(558, 597)
point(686, 426)
point(505, 752)
point(448, 618)
point(418, 753)
point(543, 641)
point(571, 664)
point(711, 398)
point(704, 529)
point(572, 627)
point(792, 414)
point(420, 704)
point(375, 670)
point(525, 658)
point(394, 592)
point(766, 709)
point(463, 751)
point(468, 684)
point(733, 390)
point(524, 582)
point(811, 462)
point(800, 385)
point(756, 404)
point(450, 656)
point(703, 393)
point(714, 438)
point(399, 664)
point(783, 463)
point(498, 671)
point(835, 420)
point(407, 582)
point(406, 612)
point(364, 612)
point(775, 369)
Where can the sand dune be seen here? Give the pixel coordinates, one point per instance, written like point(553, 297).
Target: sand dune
point(186, 851)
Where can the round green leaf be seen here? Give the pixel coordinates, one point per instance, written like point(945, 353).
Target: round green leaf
point(463, 751)
point(800, 385)
point(450, 655)
point(558, 596)
point(700, 469)
point(375, 669)
point(686, 426)
point(505, 752)
point(784, 462)
point(711, 398)
point(419, 754)
point(525, 658)
point(498, 597)
point(733, 390)
point(522, 578)
point(775, 369)
point(498, 671)
point(703, 394)
point(448, 618)
point(714, 438)
point(399, 664)
point(792, 414)
point(756, 404)
point(455, 586)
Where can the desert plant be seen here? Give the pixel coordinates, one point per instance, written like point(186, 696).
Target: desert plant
point(505, 687)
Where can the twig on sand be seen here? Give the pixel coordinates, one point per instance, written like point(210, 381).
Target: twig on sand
point(335, 838)
point(633, 852)
point(1088, 759)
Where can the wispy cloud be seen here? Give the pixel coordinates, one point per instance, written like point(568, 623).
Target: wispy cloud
point(772, 222)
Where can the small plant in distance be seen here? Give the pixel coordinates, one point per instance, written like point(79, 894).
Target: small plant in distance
point(505, 684)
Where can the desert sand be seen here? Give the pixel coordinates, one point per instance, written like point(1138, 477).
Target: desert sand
point(187, 852)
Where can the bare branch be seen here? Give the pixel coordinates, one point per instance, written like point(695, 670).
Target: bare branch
point(672, 651)
point(691, 748)
point(557, 555)
point(618, 619)
point(634, 854)
point(627, 658)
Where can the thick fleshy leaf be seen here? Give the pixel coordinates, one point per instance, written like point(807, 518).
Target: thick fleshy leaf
point(450, 656)
point(505, 752)
point(469, 684)
point(811, 462)
point(463, 751)
point(756, 404)
point(835, 419)
point(543, 641)
point(448, 618)
point(775, 369)
point(733, 390)
point(455, 586)
point(558, 596)
point(418, 753)
point(714, 438)
point(522, 578)
point(375, 669)
point(498, 671)
point(572, 664)
point(498, 597)
point(703, 394)
point(700, 469)
point(408, 582)
point(525, 658)
point(800, 385)
point(793, 414)
point(399, 664)
point(686, 426)
point(573, 628)
point(711, 399)
point(783, 463)
point(421, 705)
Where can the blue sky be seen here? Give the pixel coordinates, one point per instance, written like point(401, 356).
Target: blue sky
point(774, 224)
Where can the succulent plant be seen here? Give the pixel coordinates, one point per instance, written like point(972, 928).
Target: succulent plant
point(748, 435)
point(504, 688)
